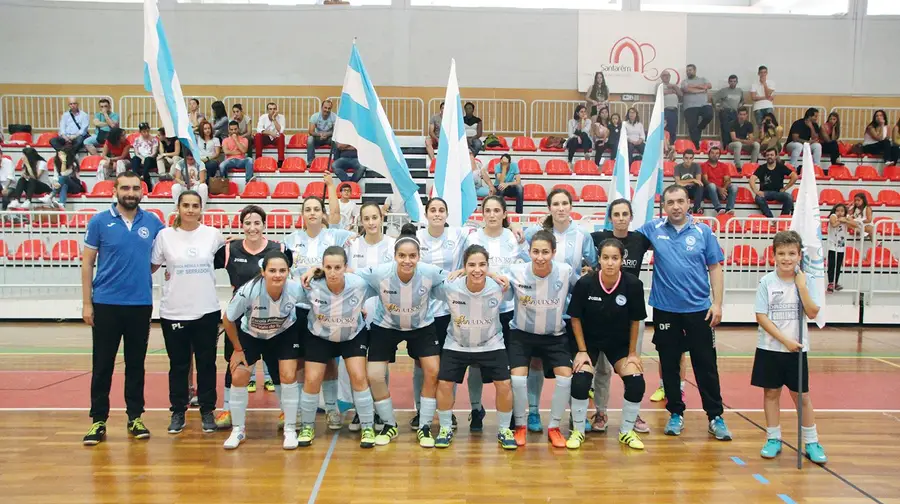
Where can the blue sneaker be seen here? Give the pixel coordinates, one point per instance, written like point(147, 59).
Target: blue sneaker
point(476, 420)
point(534, 422)
point(718, 429)
point(816, 453)
point(771, 449)
point(674, 425)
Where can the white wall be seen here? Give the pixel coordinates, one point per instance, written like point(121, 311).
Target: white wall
point(58, 42)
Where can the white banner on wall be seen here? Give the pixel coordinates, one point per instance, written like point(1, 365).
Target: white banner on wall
point(631, 49)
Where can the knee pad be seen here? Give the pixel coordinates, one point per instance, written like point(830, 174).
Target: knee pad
point(634, 387)
point(581, 385)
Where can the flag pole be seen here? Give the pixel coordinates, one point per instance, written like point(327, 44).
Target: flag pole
point(800, 386)
point(331, 156)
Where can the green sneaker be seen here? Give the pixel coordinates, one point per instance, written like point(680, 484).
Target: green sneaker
point(307, 434)
point(388, 434)
point(137, 429)
point(269, 385)
point(507, 439)
point(816, 453)
point(771, 449)
point(367, 438)
point(444, 438)
point(425, 438)
point(95, 435)
point(251, 387)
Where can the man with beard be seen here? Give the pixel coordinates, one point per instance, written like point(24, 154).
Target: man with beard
point(117, 303)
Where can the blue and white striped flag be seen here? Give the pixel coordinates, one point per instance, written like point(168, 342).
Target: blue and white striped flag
point(453, 179)
point(620, 185)
point(162, 81)
point(362, 123)
point(650, 178)
point(807, 222)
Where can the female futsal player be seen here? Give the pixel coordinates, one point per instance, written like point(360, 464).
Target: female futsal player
point(189, 309)
point(607, 310)
point(475, 338)
point(267, 307)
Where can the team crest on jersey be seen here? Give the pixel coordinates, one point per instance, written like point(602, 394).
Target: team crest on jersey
point(422, 291)
point(449, 244)
point(261, 259)
point(620, 300)
point(353, 301)
point(691, 241)
point(625, 255)
point(570, 244)
point(558, 285)
point(286, 309)
point(143, 232)
point(493, 302)
point(192, 252)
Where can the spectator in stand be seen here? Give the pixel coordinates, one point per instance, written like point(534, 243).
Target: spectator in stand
point(877, 140)
point(104, 120)
point(67, 181)
point(767, 183)
point(600, 133)
point(235, 147)
point(195, 115)
point(474, 128)
point(190, 175)
point(169, 154)
point(509, 181)
point(237, 115)
point(770, 133)
point(35, 179)
point(579, 130)
point(805, 130)
point(220, 120)
point(762, 92)
point(689, 175)
point(349, 209)
point(270, 131)
point(839, 224)
point(7, 178)
point(597, 95)
point(116, 155)
point(830, 134)
point(434, 133)
point(321, 127)
point(741, 138)
point(728, 101)
point(395, 214)
point(615, 130)
point(861, 213)
point(210, 148)
point(634, 130)
point(717, 182)
point(347, 159)
point(698, 113)
point(480, 177)
point(73, 127)
point(146, 147)
point(895, 143)
point(671, 95)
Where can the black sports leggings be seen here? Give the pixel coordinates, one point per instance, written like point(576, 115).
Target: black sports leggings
point(835, 263)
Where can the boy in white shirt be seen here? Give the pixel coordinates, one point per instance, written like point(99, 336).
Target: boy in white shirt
point(780, 298)
point(394, 205)
point(349, 209)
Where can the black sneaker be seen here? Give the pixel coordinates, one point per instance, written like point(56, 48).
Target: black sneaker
point(354, 425)
point(177, 423)
point(137, 429)
point(379, 423)
point(476, 420)
point(454, 421)
point(96, 435)
point(414, 422)
point(208, 421)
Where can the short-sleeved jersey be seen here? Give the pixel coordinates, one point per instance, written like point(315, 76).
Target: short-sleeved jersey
point(503, 252)
point(189, 291)
point(242, 265)
point(474, 316)
point(264, 317)
point(636, 247)
point(573, 247)
point(780, 301)
point(336, 317)
point(403, 306)
point(307, 252)
point(606, 317)
point(361, 254)
point(540, 302)
point(445, 252)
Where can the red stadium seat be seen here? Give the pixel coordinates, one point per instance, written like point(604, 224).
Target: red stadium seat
point(493, 163)
point(255, 189)
point(744, 195)
point(762, 226)
point(162, 189)
point(608, 167)
point(575, 215)
point(748, 169)
point(888, 228)
point(286, 190)
point(820, 173)
point(557, 167)
point(839, 172)
point(593, 193)
point(44, 139)
point(845, 149)
point(635, 169)
point(144, 189)
point(769, 256)
point(781, 224)
point(355, 190)
point(668, 169)
point(103, 189)
point(705, 145)
point(682, 144)
point(80, 218)
point(868, 173)
point(265, 165)
point(534, 192)
point(883, 258)
point(215, 217)
point(523, 144)
point(544, 148)
point(48, 220)
point(889, 197)
point(293, 165)
point(90, 163)
point(65, 250)
point(279, 218)
point(851, 257)
point(319, 165)
point(20, 164)
point(232, 192)
point(4, 250)
point(297, 141)
point(723, 219)
point(30, 250)
point(743, 255)
point(869, 198)
point(431, 165)
point(316, 188)
point(830, 197)
point(529, 167)
point(892, 172)
point(18, 140)
point(586, 167)
point(569, 189)
point(502, 147)
point(158, 213)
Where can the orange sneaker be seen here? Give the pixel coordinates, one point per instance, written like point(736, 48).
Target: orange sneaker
point(281, 421)
point(520, 434)
point(556, 437)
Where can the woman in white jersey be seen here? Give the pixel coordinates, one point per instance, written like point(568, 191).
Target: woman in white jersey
point(189, 309)
point(307, 246)
point(504, 251)
point(573, 247)
point(540, 289)
point(336, 328)
point(475, 339)
point(266, 308)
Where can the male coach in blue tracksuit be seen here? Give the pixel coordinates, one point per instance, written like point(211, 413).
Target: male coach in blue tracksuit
point(687, 259)
point(118, 302)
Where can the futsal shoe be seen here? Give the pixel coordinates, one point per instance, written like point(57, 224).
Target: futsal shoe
point(675, 425)
point(556, 438)
point(521, 433)
point(641, 426)
point(453, 421)
point(631, 440)
point(96, 435)
point(269, 385)
point(718, 429)
point(598, 422)
point(425, 438)
point(414, 422)
point(208, 422)
point(507, 439)
point(444, 438)
point(659, 395)
point(176, 425)
point(576, 438)
point(379, 423)
point(290, 440)
point(235, 439)
point(816, 453)
point(534, 422)
point(307, 434)
point(476, 420)
point(354, 425)
point(367, 438)
point(281, 421)
point(194, 402)
point(335, 422)
point(388, 434)
point(771, 449)
point(223, 420)
point(137, 429)
point(251, 387)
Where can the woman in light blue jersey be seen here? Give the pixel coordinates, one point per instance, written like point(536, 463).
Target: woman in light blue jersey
point(475, 339)
point(267, 308)
point(307, 246)
point(336, 328)
point(573, 247)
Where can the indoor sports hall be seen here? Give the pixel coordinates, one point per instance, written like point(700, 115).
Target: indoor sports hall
point(576, 95)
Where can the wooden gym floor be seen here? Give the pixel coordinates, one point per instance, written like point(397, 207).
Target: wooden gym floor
point(45, 371)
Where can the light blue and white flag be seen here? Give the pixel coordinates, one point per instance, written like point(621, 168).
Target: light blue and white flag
point(362, 123)
point(620, 185)
point(453, 179)
point(807, 222)
point(162, 81)
point(650, 178)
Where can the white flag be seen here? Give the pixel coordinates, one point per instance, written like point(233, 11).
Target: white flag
point(807, 222)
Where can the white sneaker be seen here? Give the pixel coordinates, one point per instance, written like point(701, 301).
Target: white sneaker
point(25, 205)
point(16, 205)
point(335, 420)
point(46, 199)
point(290, 439)
point(235, 439)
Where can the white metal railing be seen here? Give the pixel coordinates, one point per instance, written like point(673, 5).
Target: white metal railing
point(787, 114)
point(136, 109)
point(405, 114)
point(43, 112)
point(854, 120)
point(551, 117)
point(500, 116)
point(880, 260)
point(296, 109)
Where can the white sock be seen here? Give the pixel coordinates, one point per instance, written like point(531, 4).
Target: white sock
point(278, 392)
point(426, 414)
point(308, 405)
point(418, 381)
point(225, 405)
point(579, 414)
point(446, 418)
point(503, 419)
point(330, 392)
point(629, 416)
point(239, 398)
point(810, 435)
point(561, 395)
point(773, 432)
point(385, 410)
point(520, 398)
point(290, 401)
point(364, 408)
